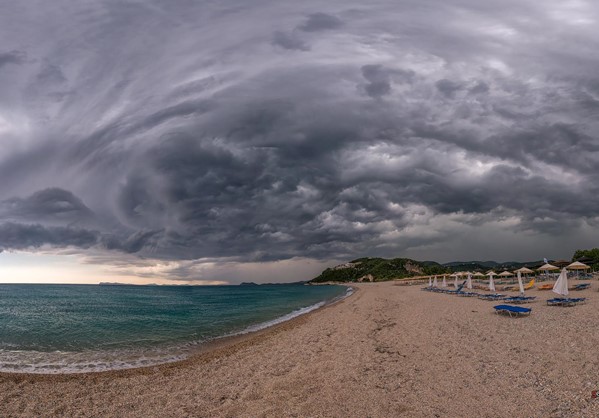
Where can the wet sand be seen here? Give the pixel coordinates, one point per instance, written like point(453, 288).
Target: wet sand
point(386, 351)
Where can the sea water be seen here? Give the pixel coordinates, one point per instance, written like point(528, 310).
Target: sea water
point(81, 328)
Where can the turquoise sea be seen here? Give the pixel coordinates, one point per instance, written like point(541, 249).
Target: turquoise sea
point(79, 328)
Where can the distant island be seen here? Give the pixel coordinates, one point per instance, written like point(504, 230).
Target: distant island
point(375, 269)
point(114, 284)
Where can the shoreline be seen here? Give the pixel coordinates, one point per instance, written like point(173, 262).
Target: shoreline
point(202, 352)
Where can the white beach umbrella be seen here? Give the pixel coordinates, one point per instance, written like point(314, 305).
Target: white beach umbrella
point(435, 282)
point(491, 282)
point(455, 280)
point(561, 286)
point(444, 284)
point(430, 282)
point(520, 285)
point(469, 282)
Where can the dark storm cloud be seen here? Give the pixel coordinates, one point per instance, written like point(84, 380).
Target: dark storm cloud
point(31, 236)
point(12, 57)
point(132, 244)
point(194, 131)
point(47, 204)
point(379, 83)
point(379, 79)
point(448, 88)
point(320, 21)
point(289, 41)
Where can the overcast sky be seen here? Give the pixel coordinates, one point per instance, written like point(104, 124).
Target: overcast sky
point(221, 141)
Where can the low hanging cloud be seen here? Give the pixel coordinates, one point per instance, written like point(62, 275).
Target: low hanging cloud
point(382, 129)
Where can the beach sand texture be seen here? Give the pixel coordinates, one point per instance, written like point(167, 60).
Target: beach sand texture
point(387, 351)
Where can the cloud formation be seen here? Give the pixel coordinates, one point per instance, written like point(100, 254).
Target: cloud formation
point(339, 129)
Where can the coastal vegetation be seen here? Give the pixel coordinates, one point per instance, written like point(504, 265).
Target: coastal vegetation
point(381, 269)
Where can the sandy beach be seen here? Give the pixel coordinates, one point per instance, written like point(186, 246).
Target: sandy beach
point(386, 351)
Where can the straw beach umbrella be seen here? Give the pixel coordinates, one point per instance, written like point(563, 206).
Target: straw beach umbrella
point(547, 267)
point(577, 265)
point(478, 274)
point(505, 274)
point(524, 270)
point(561, 286)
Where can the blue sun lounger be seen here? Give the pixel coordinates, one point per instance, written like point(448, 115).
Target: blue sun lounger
point(581, 286)
point(512, 310)
point(520, 299)
point(467, 294)
point(565, 301)
point(458, 290)
point(492, 296)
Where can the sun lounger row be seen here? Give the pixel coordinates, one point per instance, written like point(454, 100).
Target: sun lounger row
point(494, 297)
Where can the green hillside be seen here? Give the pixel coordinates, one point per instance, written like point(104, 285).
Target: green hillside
point(380, 268)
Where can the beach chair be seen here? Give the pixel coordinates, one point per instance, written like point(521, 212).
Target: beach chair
point(493, 296)
point(581, 286)
point(467, 294)
point(529, 286)
point(565, 301)
point(512, 310)
point(545, 287)
point(520, 299)
point(556, 301)
point(459, 289)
